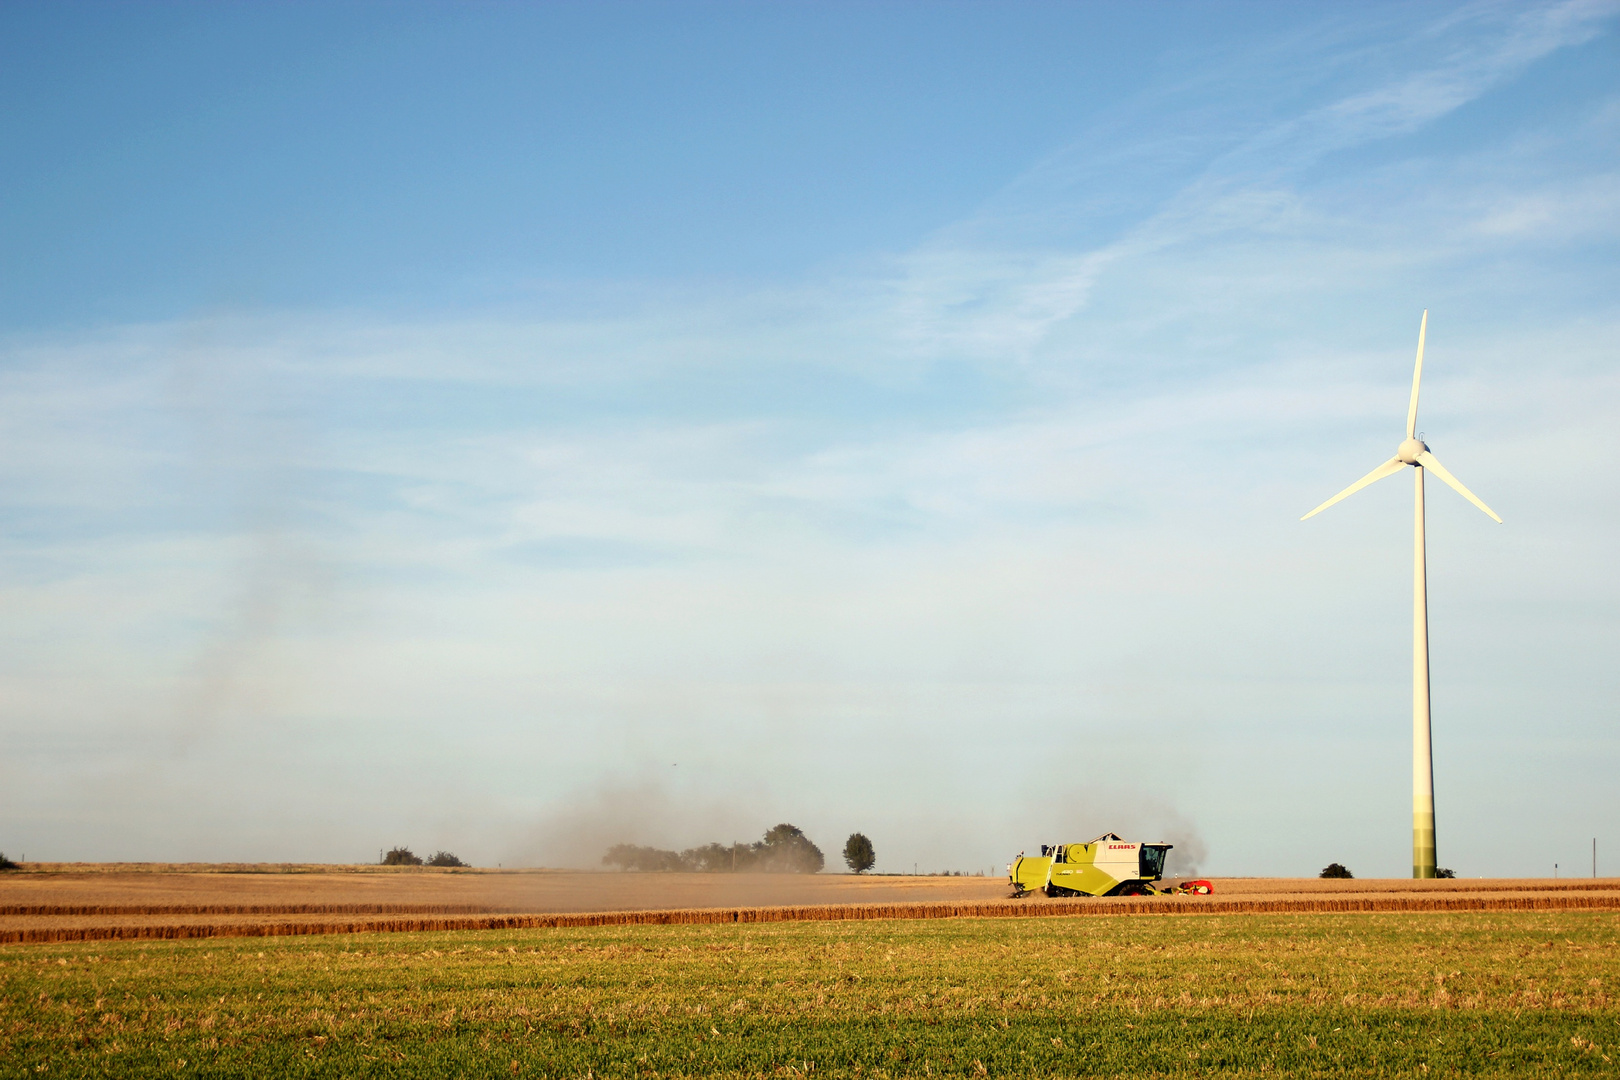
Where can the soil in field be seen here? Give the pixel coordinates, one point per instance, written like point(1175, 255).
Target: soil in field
point(374, 889)
point(308, 889)
point(88, 902)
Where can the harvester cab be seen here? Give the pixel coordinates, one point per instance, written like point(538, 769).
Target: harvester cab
point(1106, 866)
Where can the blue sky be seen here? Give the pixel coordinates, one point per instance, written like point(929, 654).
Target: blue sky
point(519, 429)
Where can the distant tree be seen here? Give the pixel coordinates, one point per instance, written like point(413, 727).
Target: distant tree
point(1336, 870)
point(444, 858)
point(858, 853)
point(1443, 872)
point(720, 858)
point(634, 857)
point(786, 848)
point(5, 863)
point(708, 859)
point(401, 856)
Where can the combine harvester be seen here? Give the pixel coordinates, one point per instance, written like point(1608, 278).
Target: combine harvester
point(1107, 866)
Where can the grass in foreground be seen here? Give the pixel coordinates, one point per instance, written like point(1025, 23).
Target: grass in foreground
point(1422, 995)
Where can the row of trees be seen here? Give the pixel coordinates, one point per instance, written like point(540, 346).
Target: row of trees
point(404, 856)
point(784, 850)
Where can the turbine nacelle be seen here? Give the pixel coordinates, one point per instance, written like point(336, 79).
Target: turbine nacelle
point(1407, 453)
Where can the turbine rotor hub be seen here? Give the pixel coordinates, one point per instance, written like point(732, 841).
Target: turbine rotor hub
point(1409, 450)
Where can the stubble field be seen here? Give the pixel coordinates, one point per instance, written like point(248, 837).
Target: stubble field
point(49, 903)
point(1492, 992)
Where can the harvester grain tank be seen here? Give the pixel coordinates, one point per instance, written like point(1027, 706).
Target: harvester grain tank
point(1107, 866)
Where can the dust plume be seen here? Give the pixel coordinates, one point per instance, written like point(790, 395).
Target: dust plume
point(250, 441)
point(580, 829)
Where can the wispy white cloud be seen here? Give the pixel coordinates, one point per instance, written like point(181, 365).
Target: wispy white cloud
point(966, 292)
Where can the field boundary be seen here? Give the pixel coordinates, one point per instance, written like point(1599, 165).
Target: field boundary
point(451, 908)
point(251, 909)
point(810, 913)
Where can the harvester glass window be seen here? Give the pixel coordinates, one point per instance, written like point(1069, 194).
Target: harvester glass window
point(1152, 860)
point(1060, 853)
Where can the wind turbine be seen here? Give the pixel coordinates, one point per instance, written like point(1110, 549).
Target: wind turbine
point(1414, 452)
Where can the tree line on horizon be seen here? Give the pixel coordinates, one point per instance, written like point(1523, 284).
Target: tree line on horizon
point(785, 849)
point(404, 856)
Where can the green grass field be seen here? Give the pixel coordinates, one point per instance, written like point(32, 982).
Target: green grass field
point(1422, 995)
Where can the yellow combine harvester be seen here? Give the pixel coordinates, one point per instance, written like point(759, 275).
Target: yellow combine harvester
point(1107, 866)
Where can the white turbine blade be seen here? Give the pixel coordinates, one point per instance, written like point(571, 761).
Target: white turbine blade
point(1417, 376)
point(1393, 465)
point(1430, 462)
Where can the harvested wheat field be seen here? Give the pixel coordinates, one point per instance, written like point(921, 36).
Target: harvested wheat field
point(314, 888)
point(69, 902)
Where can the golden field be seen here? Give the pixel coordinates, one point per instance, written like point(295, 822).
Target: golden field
point(59, 902)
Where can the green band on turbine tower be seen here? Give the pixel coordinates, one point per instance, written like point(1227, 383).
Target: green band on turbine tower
point(1423, 857)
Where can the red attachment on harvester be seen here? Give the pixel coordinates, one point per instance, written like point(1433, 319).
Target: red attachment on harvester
point(1202, 888)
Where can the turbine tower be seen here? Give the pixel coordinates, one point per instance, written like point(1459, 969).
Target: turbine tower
point(1414, 452)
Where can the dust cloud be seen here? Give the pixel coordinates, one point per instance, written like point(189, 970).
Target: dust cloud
point(579, 831)
point(250, 444)
point(647, 811)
